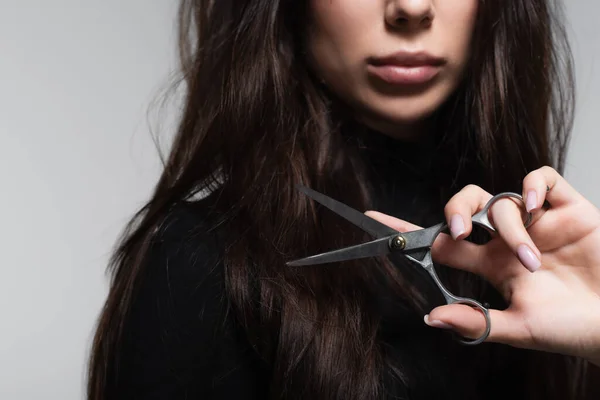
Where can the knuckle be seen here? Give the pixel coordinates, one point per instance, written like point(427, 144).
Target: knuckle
point(533, 176)
point(470, 192)
point(471, 188)
point(546, 169)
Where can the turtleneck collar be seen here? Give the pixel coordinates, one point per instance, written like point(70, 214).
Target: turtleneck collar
point(401, 174)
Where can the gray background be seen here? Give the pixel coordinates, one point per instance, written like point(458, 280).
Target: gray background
point(76, 159)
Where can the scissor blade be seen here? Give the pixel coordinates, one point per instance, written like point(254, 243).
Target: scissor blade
point(422, 238)
point(375, 248)
point(368, 224)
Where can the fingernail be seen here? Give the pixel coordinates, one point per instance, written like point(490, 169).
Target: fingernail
point(436, 323)
point(457, 226)
point(531, 200)
point(528, 258)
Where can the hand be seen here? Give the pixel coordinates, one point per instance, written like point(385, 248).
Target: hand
point(549, 273)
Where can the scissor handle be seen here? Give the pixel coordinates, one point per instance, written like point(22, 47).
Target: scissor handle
point(450, 298)
point(486, 313)
point(429, 236)
point(482, 217)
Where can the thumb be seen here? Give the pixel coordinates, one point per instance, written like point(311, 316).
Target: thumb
point(470, 323)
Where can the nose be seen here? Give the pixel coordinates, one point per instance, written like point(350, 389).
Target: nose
point(409, 14)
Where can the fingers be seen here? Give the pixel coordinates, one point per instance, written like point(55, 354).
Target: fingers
point(570, 217)
point(506, 326)
point(461, 207)
point(507, 217)
point(461, 255)
point(393, 222)
point(509, 224)
point(547, 184)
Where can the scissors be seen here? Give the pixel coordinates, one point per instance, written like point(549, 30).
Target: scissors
point(414, 245)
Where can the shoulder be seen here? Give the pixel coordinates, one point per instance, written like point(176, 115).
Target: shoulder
point(180, 275)
point(189, 225)
point(182, 270)
point(183, 261)
point(179, 338)
point(189, 238)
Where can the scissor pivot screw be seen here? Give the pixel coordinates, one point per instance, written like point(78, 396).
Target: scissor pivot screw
point(398, 242)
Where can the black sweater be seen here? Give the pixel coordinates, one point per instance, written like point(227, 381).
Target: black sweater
point(176, 346)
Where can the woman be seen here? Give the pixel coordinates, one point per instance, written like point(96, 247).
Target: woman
point(420, 110)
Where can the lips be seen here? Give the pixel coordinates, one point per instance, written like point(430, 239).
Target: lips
point(406, 68)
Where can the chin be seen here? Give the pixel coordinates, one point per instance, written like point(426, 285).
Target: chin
point(401, 113)
point(405, 109)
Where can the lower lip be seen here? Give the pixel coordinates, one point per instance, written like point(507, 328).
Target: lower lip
point(399, 75)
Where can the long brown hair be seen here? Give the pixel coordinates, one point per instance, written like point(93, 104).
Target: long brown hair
point(256, 123)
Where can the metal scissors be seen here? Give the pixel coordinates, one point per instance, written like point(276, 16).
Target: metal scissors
point(414, 245)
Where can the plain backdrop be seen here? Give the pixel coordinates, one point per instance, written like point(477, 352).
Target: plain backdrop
point(77, 159)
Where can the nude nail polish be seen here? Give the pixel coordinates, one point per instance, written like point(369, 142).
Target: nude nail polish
point(531, 201)
point(457, 226)
point(436, 323)
point(528, 258)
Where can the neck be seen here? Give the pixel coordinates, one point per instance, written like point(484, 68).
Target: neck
point(412, 131)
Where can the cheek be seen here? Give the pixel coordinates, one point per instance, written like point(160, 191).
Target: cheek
point(338, 34)
point(457, 19)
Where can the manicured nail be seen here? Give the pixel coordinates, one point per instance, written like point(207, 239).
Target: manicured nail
point(457, 226)
point(436, 323)
point(528, 258)
point(531, 200)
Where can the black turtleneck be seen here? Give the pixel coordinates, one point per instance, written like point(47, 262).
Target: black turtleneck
point(402, 175)
point(176, 346)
